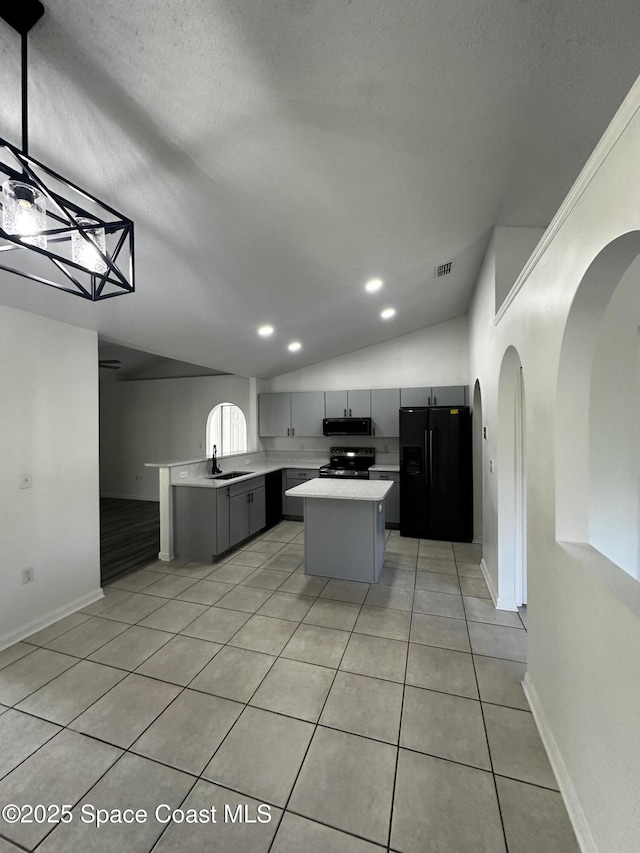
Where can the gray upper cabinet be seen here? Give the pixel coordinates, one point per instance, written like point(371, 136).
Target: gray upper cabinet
point(385, 403)
point(275, 414)
point(437, 395)
point(307, 412)
point(359, 404)
point(449, 395)
point(415, 396)
point(348, 404)
point(335, 404)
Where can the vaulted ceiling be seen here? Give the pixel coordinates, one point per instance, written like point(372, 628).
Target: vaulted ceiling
point(276, 154)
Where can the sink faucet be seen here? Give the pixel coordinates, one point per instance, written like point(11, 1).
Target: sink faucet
point(214, 462)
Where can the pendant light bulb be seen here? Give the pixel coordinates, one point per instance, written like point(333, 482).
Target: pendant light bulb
point(84, 249)
point(24, 212)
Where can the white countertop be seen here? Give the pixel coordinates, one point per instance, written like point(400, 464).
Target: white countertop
point(394, 469)
point(257, 469)
point(345, 490)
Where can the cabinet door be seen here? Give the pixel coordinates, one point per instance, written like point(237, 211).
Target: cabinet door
point(385, 404)
point(449, 395)
point(222, 520)
point(275, 414)
point(257, 510)
point(392, 500)
point(238, 518)
point(194, 523)
point(307, 412)
point(359, 404)
point(415, 396)
point(335, 404)
point(293, 506)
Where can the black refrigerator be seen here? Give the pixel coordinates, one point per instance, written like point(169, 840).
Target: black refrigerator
point(436, 485)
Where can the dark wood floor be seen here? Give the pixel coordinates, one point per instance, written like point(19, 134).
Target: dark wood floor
point(129, 535)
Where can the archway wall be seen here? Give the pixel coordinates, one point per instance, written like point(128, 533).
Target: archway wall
point(583, 676)
point(478, 462)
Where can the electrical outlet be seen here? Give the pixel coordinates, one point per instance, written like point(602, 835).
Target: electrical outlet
point(491, 466)
point(27, 575)
point(25, 481)
point(386, 448)
point(184, 475)
point(301, 445)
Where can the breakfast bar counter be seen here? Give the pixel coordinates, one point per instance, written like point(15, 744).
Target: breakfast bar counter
point(344, 532)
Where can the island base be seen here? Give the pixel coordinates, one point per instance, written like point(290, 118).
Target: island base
point(344, 538)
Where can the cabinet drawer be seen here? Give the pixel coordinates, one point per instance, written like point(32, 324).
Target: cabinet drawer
point(245, 486)
point(302, 473)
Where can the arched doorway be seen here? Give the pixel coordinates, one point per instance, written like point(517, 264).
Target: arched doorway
point(512, 502)
point(478, 463)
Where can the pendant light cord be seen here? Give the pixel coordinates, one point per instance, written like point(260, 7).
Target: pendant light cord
point(25, 115)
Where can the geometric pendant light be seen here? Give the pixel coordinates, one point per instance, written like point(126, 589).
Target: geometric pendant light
point(51, 230)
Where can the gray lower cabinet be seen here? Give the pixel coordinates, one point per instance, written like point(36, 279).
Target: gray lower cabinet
point(208, 521)
point(294, 477)
point(392, 500)
point(246, 509)
point(385, 403)
point(222, 520)
point(195, 532)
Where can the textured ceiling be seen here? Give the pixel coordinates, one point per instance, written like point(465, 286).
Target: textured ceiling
point(275, 154)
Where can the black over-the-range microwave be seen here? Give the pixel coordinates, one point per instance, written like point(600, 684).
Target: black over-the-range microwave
point(346, 426)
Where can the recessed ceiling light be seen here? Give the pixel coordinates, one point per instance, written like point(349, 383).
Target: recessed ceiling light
point(373, 285)
point(294, 346)
point(388, 313)
point(265, 331)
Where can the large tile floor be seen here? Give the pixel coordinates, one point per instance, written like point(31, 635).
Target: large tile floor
point(368, 718)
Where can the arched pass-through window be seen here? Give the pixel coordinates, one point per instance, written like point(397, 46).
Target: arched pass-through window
point(227, 430)
point(598, 422)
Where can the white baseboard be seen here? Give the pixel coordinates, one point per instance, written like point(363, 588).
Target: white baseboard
point(30, 628)
point(500, 603)
point(165, 557)
point(489, 582)
point(130, 498)
point(571, 801)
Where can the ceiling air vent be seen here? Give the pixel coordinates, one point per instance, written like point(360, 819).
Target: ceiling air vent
point(443, 269)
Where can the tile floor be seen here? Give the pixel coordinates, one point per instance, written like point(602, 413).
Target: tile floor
point(367, 718)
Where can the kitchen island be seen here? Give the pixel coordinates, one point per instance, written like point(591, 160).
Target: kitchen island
point(343, 527)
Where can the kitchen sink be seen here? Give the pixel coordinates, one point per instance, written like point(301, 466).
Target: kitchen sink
point(230, 475)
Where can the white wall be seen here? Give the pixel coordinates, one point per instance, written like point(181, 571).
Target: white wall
point(584, 668)
point(160, 420)
point(49, 430)
point(614, 428)
point(437, 355)
point(513, 247)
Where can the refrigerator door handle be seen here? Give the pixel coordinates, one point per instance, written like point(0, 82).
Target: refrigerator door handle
point(431, 456)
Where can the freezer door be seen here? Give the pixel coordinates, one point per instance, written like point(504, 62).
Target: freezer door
point(414, 493)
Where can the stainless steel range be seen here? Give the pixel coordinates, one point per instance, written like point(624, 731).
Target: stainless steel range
point(349, 462)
